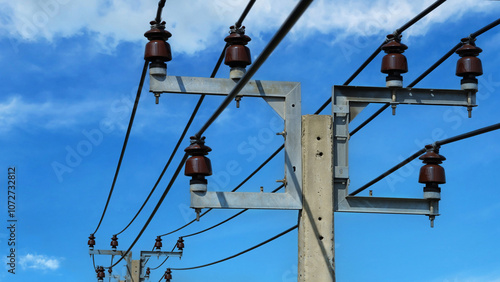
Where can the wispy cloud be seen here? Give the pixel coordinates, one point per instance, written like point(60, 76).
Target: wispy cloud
point(198, 24)
point(39, 262)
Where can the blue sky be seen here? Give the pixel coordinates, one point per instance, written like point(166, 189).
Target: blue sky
point(69, 76)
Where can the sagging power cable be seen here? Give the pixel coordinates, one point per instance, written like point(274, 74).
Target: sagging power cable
point(421, 151)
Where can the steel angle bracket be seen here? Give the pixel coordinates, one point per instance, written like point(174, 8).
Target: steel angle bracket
point(284, 98)
point(348, 102)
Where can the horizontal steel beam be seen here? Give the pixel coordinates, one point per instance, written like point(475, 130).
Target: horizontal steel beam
point(245, 200)
point(146, 254)
point(108, 252)
point(219, 86)
point(411, 96)
point(388, 205)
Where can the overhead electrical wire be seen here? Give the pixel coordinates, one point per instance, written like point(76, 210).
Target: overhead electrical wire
point(428, 71)
point(125, 142)
point(421, 151)
point(190, 121)
point(161, 4)
point(280, 34)
point(240, 253)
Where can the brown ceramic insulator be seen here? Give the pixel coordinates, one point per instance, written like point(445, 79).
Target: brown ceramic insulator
point(198, 164)
point(237, 54)
point(110, 270)
point(469, 65)
point(432, 172)
point(180, 244)
point(100, 273)
point(394, 62)
point(148, 271)
point(158, 49)
point(114, 242)
point(168, 274)
point(158, 243)
point(91, 241)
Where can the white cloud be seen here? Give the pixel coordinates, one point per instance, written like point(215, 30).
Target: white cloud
point(198, 24)
point(39, 262)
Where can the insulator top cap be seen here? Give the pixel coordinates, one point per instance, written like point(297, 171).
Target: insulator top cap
point(432, 155)
point(468, 48)
point(394, 44)
point(197, 147)
point(237, 36)
point(157, 32)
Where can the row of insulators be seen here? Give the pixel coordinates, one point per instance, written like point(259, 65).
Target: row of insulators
point(158, 51)
point(238, 56)
point(394, 62)
point(114, 242)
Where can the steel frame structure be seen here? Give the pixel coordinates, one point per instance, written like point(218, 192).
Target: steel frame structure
point(348, 102)
point(284, 98)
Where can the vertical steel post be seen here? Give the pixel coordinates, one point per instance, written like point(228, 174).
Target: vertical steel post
point(316, 229)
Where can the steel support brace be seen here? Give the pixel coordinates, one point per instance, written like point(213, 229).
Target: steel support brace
point(284, 98)
point(348, 102)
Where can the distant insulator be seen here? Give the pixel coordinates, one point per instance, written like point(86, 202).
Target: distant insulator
point(198, 166)
point(180, 244)
point(100, 273)
point(157, 49)
point(91, 241)
point(168, 274)
point(114, 242)
point(432, 174)
point(394, 63)
point(110, 270)
point(158, 243)
point(469, 65)
point(148, 271)
point(237, 53)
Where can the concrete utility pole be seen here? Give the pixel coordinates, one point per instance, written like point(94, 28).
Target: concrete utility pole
point(316, 237)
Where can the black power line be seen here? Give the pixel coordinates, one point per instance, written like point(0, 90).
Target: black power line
point(240, 253)
point(421, 151)
point(124, 147)
point(188, 125)
point(161, 4)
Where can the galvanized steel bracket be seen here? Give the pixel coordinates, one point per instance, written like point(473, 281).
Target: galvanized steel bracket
point(353, 99)
point(284, 98)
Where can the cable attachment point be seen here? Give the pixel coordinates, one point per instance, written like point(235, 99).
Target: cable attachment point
point(238, 99)
point(394, 63)
point(237, 53)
